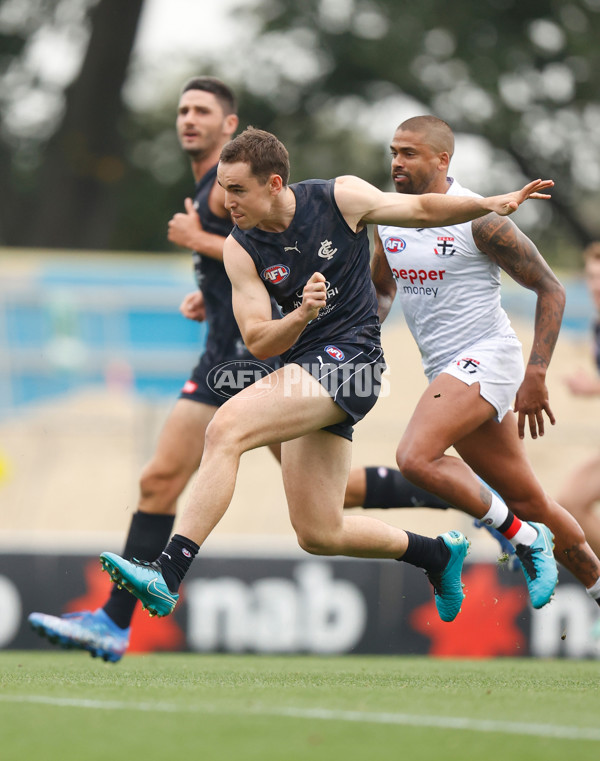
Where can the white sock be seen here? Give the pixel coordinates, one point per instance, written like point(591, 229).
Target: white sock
point(497, 515)
point(594, 591)
point(527, 535)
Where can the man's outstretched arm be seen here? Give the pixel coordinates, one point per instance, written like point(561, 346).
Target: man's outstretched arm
point(362, 203)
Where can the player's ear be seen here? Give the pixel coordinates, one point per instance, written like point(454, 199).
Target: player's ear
point(275, 184)
point(231, 124)
point(444, 160)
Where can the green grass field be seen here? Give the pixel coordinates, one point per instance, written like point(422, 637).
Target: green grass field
point(241, 708)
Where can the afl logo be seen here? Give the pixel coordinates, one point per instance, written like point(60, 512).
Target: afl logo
point(394, 245)
point(276, 273)
point(334, 352)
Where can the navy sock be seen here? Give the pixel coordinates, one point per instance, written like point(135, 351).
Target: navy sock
point(148, 534)
point(387, 487)
point(424, 552)
point(175, 560)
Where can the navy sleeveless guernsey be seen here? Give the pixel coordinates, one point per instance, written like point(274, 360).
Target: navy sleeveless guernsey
point(318, 239)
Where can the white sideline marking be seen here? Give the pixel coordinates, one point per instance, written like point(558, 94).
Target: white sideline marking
point(367, 717)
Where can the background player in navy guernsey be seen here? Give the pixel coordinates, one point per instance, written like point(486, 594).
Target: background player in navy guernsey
point(307, 245)
point(450, 296)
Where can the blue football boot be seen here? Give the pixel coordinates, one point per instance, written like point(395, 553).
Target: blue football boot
point(93, 631)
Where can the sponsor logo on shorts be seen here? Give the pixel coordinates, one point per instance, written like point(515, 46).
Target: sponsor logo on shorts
point(276, 273)
point(394, 245)
point(334, 352)
point(229, 378)
point(468, 365)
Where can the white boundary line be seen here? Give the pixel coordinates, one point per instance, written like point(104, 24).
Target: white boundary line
point(563, 732)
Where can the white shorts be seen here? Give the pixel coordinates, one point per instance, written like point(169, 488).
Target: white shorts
point(497, 365)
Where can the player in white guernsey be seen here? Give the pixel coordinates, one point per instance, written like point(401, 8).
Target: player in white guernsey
point(448, 281)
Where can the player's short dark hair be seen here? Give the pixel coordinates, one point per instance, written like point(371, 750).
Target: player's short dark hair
point(220, 90)
point(265, 154)
point(437, 132)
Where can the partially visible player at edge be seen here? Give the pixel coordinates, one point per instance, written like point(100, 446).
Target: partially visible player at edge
point(307, 246)
point(473, 359)
point(580, 493)
point(206, 121)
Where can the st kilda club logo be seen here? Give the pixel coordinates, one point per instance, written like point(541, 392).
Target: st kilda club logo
point(468, 365)
point(444, 246)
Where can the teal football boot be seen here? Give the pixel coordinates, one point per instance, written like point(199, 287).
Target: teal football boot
point(447, 584)
point(144, 580)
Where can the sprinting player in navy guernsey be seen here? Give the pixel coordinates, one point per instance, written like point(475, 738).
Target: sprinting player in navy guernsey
point(309, 240)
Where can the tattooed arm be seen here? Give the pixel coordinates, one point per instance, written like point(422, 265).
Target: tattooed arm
point(505, 244)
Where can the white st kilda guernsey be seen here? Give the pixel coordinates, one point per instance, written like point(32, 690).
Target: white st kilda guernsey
point(449, 289)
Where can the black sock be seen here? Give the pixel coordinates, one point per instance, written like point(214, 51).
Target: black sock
point(148, 534)
point(509, 520)
point(431, 554)
point(175, 560)
point(387, 487)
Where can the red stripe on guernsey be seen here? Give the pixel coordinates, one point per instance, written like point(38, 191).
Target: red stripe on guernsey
point(513, 528)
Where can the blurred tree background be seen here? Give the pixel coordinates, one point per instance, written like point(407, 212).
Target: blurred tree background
point(86, 164)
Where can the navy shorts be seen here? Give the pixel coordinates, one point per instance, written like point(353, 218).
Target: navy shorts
point(214, 382)
point(351, 374)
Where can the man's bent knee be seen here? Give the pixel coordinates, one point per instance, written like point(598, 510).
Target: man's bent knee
point(413, 467)
point(223, 430)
